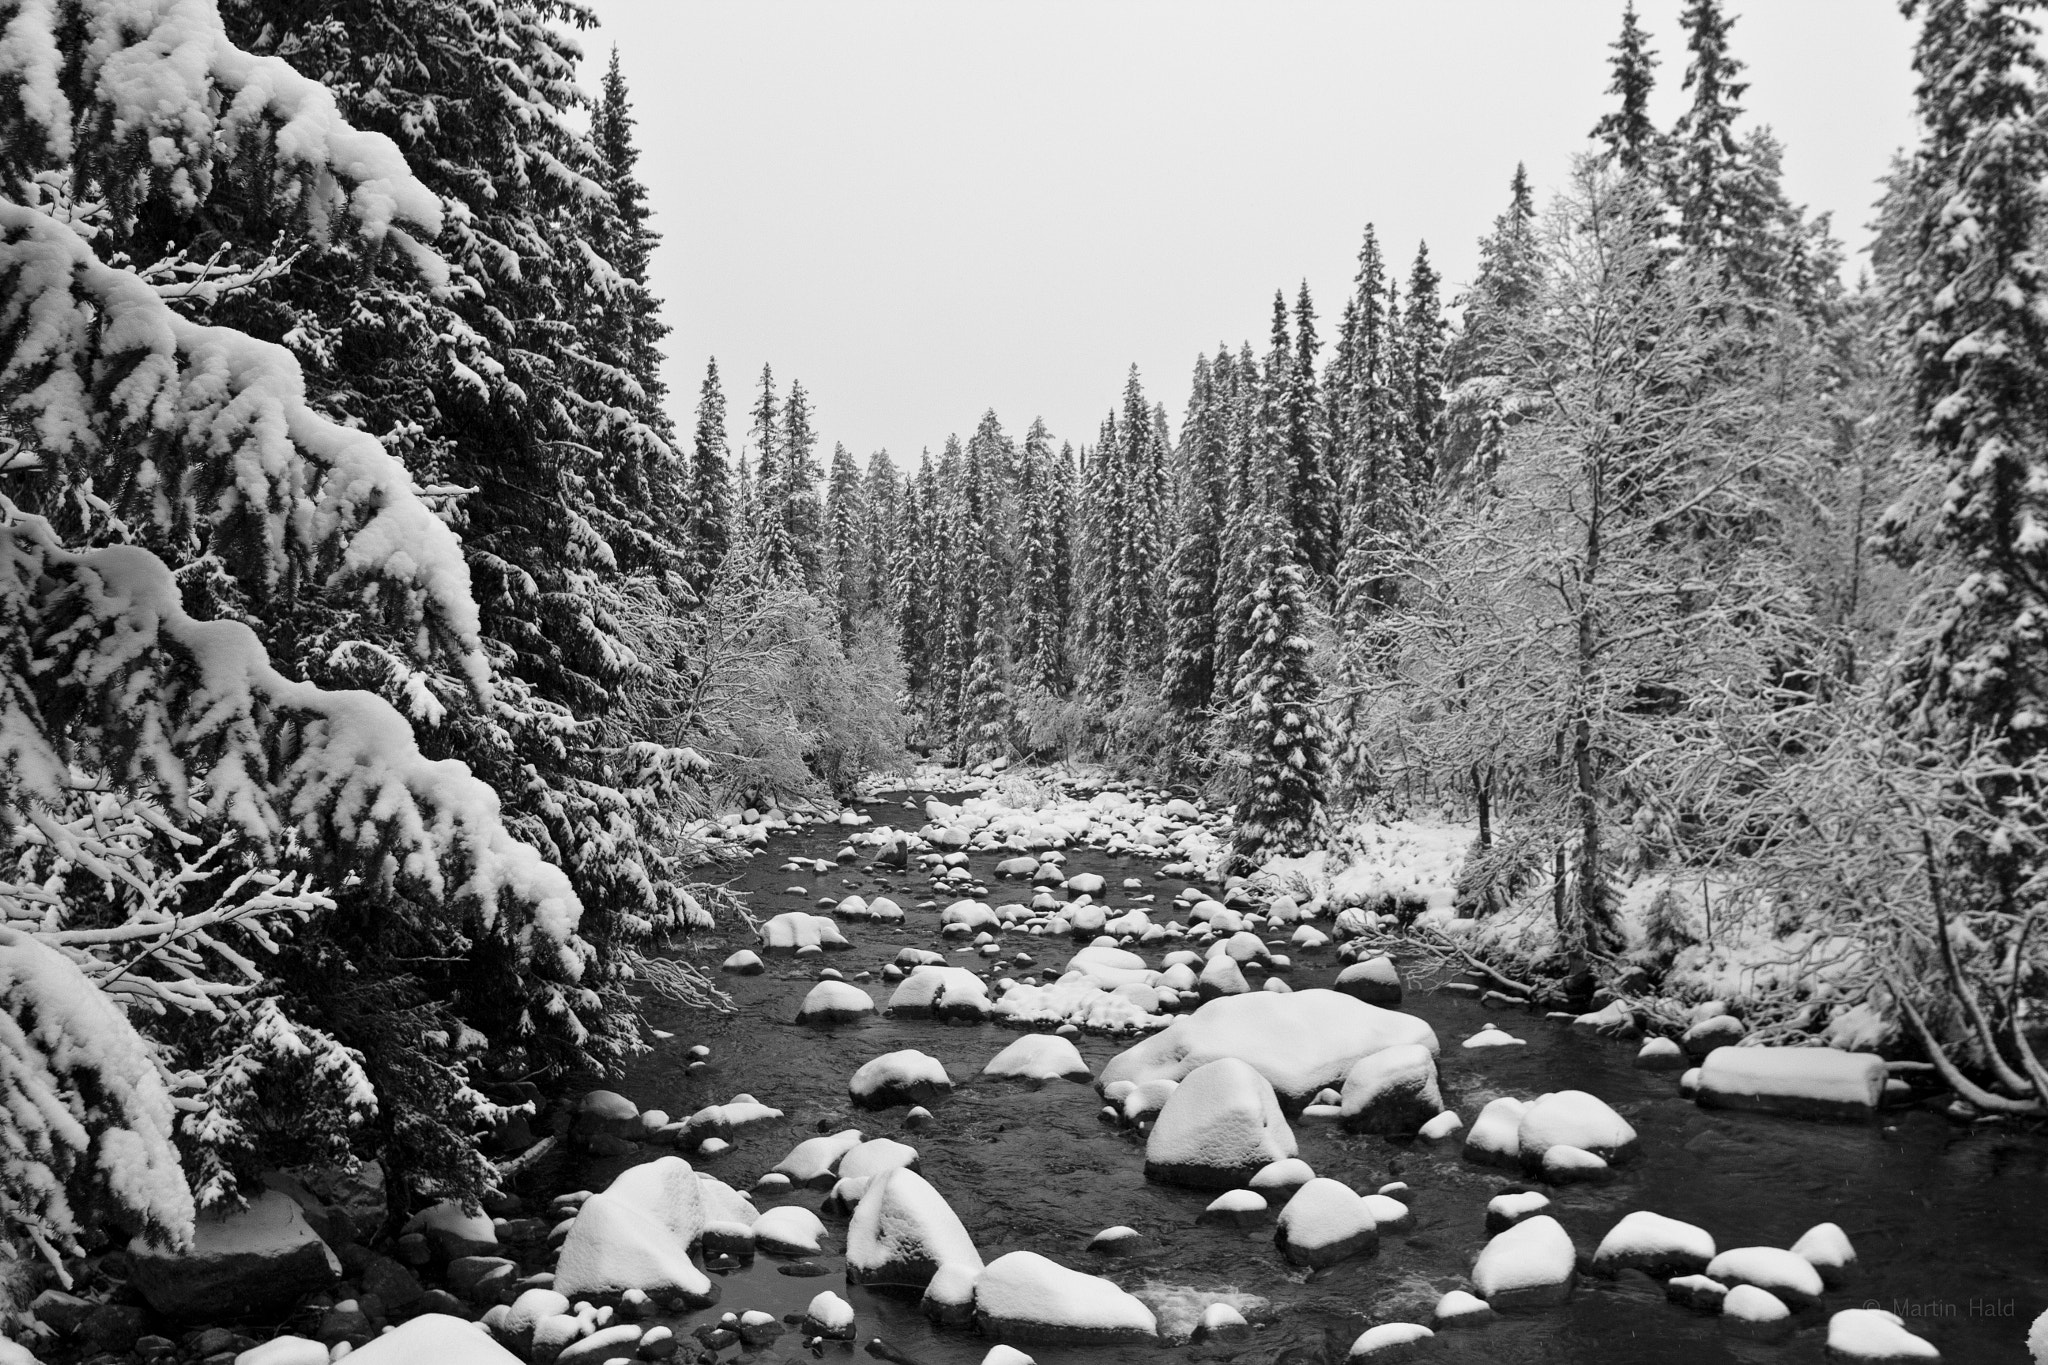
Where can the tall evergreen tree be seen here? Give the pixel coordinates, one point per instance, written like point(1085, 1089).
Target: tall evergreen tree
point(1479, 405)
point(711, 499)
point(1421, 371)
point(795, 547)
point(1277, 716)
point(1631, 139)
point(1189, 676)
point(1041, 553)
point(1705, 155)
point(846, 519)
point(1313, 496)
point(882, 495)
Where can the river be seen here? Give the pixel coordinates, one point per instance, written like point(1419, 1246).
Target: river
point(1950, 1222)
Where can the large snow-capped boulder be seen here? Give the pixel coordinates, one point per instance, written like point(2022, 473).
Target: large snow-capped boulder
point(1572, 1118)
point(616, 1244)
point(1809, 1082)
point(1391, 1092)
point(1656, 1245)
point(1826, 1247)
point(1531, 1265)
point(666, 1189)
point(260, 1259)
point(439, 1337)
point(1325, 1222)
point(1301, 1041)
point(834, 1002)
point(789, 1230)
point(941, 993)
point(903, 1230)
point(1039, 1057)
point(1220, 1125)
point(875, 1156)
point(1027, 1297)
point(1775, 1270)
point(906, 1076)
point(794, 929)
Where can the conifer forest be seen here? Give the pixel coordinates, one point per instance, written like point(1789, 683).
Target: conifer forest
point(439, 758)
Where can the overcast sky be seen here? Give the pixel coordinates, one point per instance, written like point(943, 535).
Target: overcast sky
point(925, 210)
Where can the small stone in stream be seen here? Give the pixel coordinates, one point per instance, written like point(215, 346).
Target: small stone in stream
point(1460, 1309)
point(1506, 1210)
point(788, 1230)
point(949, 1298)
point(1441, 1128)
point(1786, 1275)
point(713, 1146)
point(1222, 1322)
point(1277, 1179)
point(1564, 1165)
point(918, 1117)
point(1696, 1292)
point(1388, 1214)
point(829, 1316)
point(1756, 1313)
point(1655, 1245)
point(441, 1301)
point(905, 1077)
point(756, 1328)
point(1236, 1208)
point(1390, 1341)
point(1493, 1138)
point(658, 1343)
point(694, 1067)
point(60, 1312)
point(775, 1182)
point(1375, 981)
point(1119, 1241)
point(803, 1270)
point(1826, 1247)
point(1531, 1265)
point(1877, 1337)
point(1708, 1035)
point(1323, 1223)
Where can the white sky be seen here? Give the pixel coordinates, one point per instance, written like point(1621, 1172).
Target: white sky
point(927, 208)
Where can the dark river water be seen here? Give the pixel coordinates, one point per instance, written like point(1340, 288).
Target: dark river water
point(1950, 1223)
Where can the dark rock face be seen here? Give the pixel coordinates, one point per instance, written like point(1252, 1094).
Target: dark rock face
point(258, 1261)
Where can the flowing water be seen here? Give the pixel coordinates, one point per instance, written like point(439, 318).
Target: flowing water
point(1950, 1223)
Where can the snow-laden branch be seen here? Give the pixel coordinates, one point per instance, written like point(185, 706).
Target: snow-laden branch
point(101, 669)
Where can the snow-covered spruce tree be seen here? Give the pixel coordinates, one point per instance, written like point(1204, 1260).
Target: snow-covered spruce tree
point(846, 517)
point(762, 510)
point(1276, 717)
point(911, 587)
point(1479, 406)
point(1105, 583)
point(795, 516)
point(1042, 607)
point(985, 699)
point(1188, 680)
point(708, 529)
point(1313, 494)
point(1139, 464)
point(1235, 388)
point(1626, 131)
point(1965, 285)
point(1419, 362)
point(1705, 157)
point(881, 494)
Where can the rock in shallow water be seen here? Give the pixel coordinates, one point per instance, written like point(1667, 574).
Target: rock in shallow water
point(1655, 1245)
point(1218, 1128)
point(903, 1231)
point(1324, 1223)
point(1028, 1297)
point(1531, 1265)
point(1808, 1082)
point(1872, 1336)
point(1392, 1092)
point(258, 1260)
point(902, 1077)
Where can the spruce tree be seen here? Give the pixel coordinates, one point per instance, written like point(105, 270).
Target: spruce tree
point(1478, 359)
point(882, 494)
point(1630, 137)
point(711, 497)
point(1313, 495)
point(1705, 156)
point(1235, 387)
point(1189, 677)
point(764, 480)
point(1276, 719)
point(1041, 534)
point(1968, 290)
point(1139, 460)
point(846, 518)
point(1420, 365)
point(796, 547)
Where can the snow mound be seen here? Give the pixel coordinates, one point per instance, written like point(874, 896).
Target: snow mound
point(1220, 1125)
point(438, 1337)
point(1872, 1334)
point(795, 929)
point(1531, 1265)
point(1809, 1082)
point(813, 1161)
point(1827, 1248)
point(1573, 1118)
point(1391, 1092)
point(941, 993)
point(1325, 1222)
point(1377, 1343)
point(1789, 1276)
point(906, 1077)
point(1039, 1057)
point(1494, 1138)
point(834, 1002)
point(875, 1156)
point(616, 1244)
point(903, 1230)
point(1301, 1041)
point(1029, 1297)
point(788, 1230)
point(1658, 1246)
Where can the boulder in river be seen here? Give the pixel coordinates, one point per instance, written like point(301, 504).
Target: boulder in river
point(1218, 1128)
point(1374, 980)
point(938, 992)
point(1325, 1222)
point(794, 930)
point(439, 1337)
point(1026, 1296)
point(1531, 1265)
point(1872, 1336)
point(1300, 1042)
point(1786, 1274)
point(1390, 1341)
point(1658, 1246)
point(258, 1260)
point(617, 1243)
point(906, 1076)
point(835, 1002)
point(814, 1161)
point(1493, 1139)
point(903, 1230)
point(1572, 1118)
point(1826, 1247)
point(1808, 1082)
point(1392, 1092)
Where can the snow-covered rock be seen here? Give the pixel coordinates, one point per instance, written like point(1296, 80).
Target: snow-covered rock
point(794, 929)
point(1325, 1222)
point(1218, 1127)
point(1236, 1208)
point(1389, 1341)
point(874, 1156)
point(903, 1230)
point(745, 962)
point(1696, 1292)
point(1826, 1247)
point(1572, 1118)
point(1494, 1138)
point(1661, 1054)
point(286, 1350)
point(1441, 1128)
point(616, 1244)
point(254, 1260)
point(1301, 1041)
point(668, 1191)
point(1039, 1057)
point(1656, 1245)
point(1503, 1211)
point(1373, 980)
point(1789, 1276)
point(1531, 1265)
point(1752, 1312)
point(1810, 1082)
point(941, 993)
point(1493, 1035)
point(439, 1337)
point(1028, 1297)
point(1711, 1034)
point(788, 1230)
point(1391, 1092)
point(834, 1002)
point(1872, 1335)
point(813, 1161)
point(949, 1297)
point(1221, 976)
point(1460, 1309)
point(1281, 1177)
point(906, 1076)
point(828, 1316)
